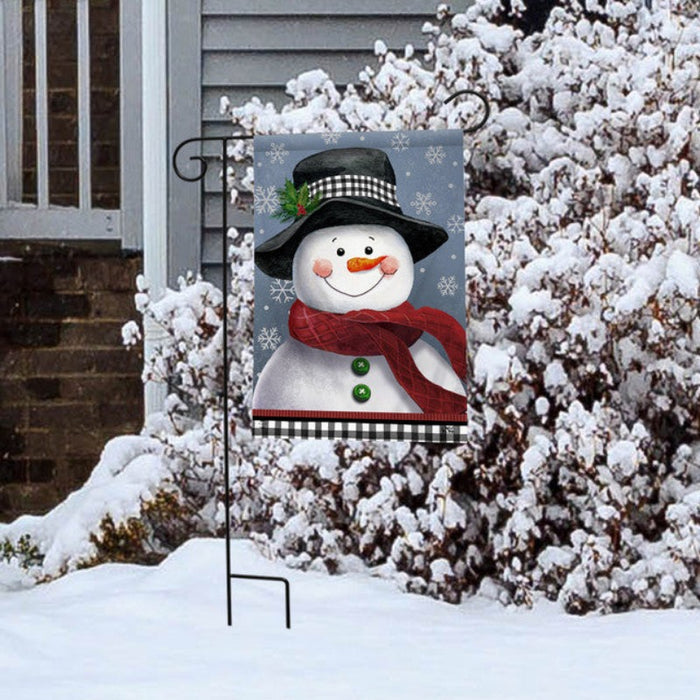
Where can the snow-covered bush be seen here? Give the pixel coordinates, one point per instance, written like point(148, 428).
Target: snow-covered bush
point(580, 477)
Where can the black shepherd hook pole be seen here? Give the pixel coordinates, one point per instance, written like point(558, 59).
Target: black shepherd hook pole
point(224, 141)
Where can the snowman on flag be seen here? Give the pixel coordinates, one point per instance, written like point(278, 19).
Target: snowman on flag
point(356, 344)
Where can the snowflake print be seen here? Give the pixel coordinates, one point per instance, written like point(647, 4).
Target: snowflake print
point(447, 285)
point(329, 139)
point(400, 142)
point(423, 203)
point(282, 291)
point(455, 225)
point(269, 338)
point(435, 155)
point(277, 153)
point(266, 200)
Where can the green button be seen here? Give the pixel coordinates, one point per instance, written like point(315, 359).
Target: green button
point(360, 365)
point(361, 392)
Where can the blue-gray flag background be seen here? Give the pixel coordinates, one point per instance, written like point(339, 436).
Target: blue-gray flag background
point(429, 185)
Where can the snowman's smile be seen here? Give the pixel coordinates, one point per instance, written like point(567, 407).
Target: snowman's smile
point(347, 294)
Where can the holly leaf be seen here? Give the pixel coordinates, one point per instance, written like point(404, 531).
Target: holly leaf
point(295, 203)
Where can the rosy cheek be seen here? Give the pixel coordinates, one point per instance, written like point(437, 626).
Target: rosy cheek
point(389, 265)
point(323, 267)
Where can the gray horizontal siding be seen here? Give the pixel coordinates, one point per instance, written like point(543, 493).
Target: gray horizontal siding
point(317, 7)
point(254, 48)
point(323, 33)
point(275, 68)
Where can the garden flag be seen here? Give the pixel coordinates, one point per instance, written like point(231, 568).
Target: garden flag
point(359, 309)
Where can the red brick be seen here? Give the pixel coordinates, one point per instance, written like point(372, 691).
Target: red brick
point(80, 443)
point(104, 46)
point(112, 305)
point(62, 415)
point(126, 388)
point(93, 333)
point(104, 20)
point(13, 363)
point(79, 469)
point(42, 305)
point(105, 179)
point(39, 443)
point(25, 498)
point(7, 514)
point(63, 127)
point(41, 470)
point(11, 276)
point(60, 21)
point(13, 417)
point(12, 442)
point(12, 391)
point(13, 471)
point(33, 335)
point(43, 272)
point(57, 362)
point(64, 154)
point(62, 73)
point(105, 154)
point(99, 361)
point(63, 102)
point(105, 73)
point(104, 101)
point(11, 305)
point(112, 274)
point(128, 416)
point(43, 388)
point(63, 181)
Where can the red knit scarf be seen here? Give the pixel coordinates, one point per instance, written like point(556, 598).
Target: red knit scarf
point(389, 333)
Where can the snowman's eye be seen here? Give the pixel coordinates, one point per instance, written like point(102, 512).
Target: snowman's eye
point(369, 250)
point(341, 252)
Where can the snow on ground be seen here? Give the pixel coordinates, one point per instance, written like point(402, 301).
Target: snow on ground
point(130, 632)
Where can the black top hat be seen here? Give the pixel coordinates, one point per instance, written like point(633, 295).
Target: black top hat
point(355, 186)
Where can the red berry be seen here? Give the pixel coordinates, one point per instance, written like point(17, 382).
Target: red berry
point(301, 211)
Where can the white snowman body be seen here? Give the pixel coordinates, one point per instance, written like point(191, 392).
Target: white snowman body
point(340, 269)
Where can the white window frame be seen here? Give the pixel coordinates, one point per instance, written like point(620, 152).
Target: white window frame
point(42, 220)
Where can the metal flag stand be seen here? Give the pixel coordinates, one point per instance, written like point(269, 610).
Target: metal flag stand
point(224, 142)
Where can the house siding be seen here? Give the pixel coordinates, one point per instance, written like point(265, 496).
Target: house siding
point(254, 49)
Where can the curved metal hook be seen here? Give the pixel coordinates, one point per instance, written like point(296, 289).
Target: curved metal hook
point(201, 159)
point(223, 140)
point(484, 101)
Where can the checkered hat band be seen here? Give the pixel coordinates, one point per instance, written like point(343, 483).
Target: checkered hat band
point(355, 186)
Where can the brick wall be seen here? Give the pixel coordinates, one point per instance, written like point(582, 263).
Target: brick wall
point(66, 383)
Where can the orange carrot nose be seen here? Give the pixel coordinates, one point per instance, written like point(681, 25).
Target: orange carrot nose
point(359, 264)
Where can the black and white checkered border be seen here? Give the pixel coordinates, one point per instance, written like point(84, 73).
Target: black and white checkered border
point(357, 430)
point(355, 186)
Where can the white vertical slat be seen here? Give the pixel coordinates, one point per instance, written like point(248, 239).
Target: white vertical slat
point(4, 101)
point(154, 88)
point(42, 108)
point(84, 163)
point(11, 98)
point(130, 134)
